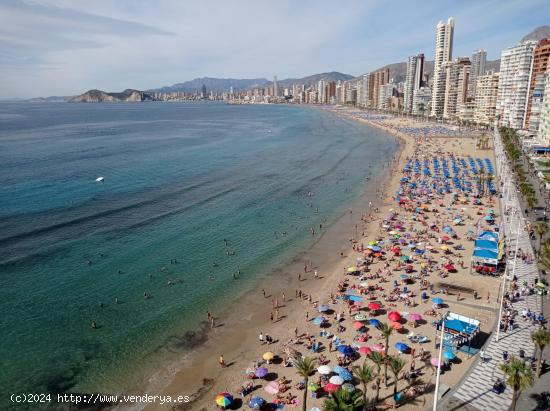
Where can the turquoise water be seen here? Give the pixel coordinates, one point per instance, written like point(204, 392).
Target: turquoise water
point(179, 179)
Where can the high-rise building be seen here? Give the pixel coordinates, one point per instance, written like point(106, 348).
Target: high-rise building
point(513, 84)
point(385, 93)
point(203, 92)
point(380, 78)
point(486, 98)
point(544, 128)
point(536, 87)
point(363, 91)
point(413, 79)
point(457, 78)
point(443, 53)
point(478, 59)
point(422, 99)
point(275, 91)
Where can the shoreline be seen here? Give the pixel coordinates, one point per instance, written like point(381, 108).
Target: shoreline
point(201, 371)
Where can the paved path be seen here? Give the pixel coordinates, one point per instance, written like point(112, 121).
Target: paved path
point(474, 391)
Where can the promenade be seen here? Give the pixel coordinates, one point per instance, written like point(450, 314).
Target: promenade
point(475, 390)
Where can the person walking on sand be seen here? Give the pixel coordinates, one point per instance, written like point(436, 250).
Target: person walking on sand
point(284, 298)
point(296, 332)
point(315, 274)
point(261, 337)
point(222, 361)
point(263, 292)
point(271, 316)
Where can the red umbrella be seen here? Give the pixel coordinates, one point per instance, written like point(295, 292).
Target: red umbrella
point(396, 326)
point(374, 306)
point(330, 387)
point(365, 350)
point(357, 325)
point(394, 316)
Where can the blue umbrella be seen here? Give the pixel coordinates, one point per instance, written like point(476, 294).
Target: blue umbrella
point(323, 308)
point(376, 248)
point(256, 403)
point(404, 276)
point(346, 349)
point(401, 347)
point(346, 375)
point(449, 355)
point(437, 300)
point(355, 298)
point(318, 320)
point(338, 369)
point(374, 322)
point(419, 251)
point(488, 218)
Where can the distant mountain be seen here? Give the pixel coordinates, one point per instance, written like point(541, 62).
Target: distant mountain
point(313, 79)
point(542, 32)
point(212, 84)
point(99, 96)
point(50, 99)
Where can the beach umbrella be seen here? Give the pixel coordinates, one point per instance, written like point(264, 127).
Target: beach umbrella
point(357, 325)
point(346, 375)
point(318, 320)
point(435, 362)
point(488, 218)
point(272, 388)
point(224, 399)
point(348, 387)
point(396, 326)
point(372, 242)
point(324, 370)
point(268, 356)
point(401, 347)
point(312, 386)
point(365, 350)
point(445, 238)
point(261, 372)
point(360, 317)
point(394, 316)
point(345, 349)
point(256, 403)
point(336, 380)
point(378, 347)
point(415, 317)
point(338, 369)
point(353, 269)
point(374, 306)
point(404, 277)
point(376, 248)
point(444, 248)
point(449, 355)
point(437, 300)
point(331, 387)
point(429, 247)
point(364, 284)
point(374, 322)
point(323, 308)
point(314, 409)
point(355, 298)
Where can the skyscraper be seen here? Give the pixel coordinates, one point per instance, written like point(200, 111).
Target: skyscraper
point(413, 79)
point(486, 98)
point(456, 85)
point(275, 87)
point(479, 59)
point(544, 128)
point(443, 53)
point(513, 84)
point(536, 87)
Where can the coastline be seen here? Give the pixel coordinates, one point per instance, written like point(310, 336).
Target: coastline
point(198, 374)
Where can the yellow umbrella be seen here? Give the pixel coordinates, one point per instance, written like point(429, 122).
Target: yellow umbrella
point(268, 356)
point(444, 247)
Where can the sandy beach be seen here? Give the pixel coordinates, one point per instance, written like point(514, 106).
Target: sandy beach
point(293, 295)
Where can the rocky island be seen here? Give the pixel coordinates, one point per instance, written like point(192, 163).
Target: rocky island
point(99, 96)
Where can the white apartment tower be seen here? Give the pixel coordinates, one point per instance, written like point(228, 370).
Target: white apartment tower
point(486, 98)
point(443, 53)
point(513, 86)
point(478, 59)
point(456, 85)
point(544, 126)
point(413, 80)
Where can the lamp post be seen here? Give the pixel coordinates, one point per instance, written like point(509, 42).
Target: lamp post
point(439, 365)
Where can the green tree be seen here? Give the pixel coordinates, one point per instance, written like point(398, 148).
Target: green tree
point(544, 255)
point(343, 400)
point(364, 375)
point(386, 331)
point(378, 359)
point(305, 367)
point(541, 229)
point(518, 376)
point(541, 338)
point(396, 365)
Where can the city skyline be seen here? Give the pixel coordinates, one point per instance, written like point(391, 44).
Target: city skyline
point(58, 47)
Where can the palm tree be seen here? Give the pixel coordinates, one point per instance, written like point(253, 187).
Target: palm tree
point(364, 375)
point(544, 255)
point(343, 400)
point(305, 367)
point(518, 376)
point(541, 228)
point(386, 331)
point(396, 366)
point(541, 338)
point(378, 359)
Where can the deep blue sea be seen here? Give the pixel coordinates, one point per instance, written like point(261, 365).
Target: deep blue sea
point(179, 178)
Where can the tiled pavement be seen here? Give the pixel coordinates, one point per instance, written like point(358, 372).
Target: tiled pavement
point(474, 391)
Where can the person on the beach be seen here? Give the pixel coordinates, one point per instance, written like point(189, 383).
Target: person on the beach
point(222, 361)
point(94, 325)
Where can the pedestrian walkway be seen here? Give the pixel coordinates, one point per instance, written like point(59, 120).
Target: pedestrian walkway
point(475, 390)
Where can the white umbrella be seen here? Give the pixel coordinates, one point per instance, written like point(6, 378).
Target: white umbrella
point(324, 369)
point(336, 380)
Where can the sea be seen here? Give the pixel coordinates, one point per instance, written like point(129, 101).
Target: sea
point(199, 202)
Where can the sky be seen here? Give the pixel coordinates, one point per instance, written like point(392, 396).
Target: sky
point(65, 47)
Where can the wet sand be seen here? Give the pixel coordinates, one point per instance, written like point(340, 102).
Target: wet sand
point(236, 336)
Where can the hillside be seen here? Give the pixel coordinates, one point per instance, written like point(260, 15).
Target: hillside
point(542, 32)
point(211, 84)
point(99, 96)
